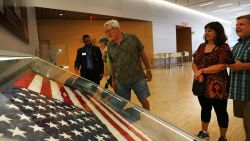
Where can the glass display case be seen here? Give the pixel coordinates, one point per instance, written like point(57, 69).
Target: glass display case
point(41, 101)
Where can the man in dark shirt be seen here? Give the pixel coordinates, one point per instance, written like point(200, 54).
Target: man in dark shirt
point(89, 61)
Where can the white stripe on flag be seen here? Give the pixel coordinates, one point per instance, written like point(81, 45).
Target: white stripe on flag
point(115, 119)
point(113, 130)
point(55, 91)
point(73, 98)
point(124, 120)
point(36, 84)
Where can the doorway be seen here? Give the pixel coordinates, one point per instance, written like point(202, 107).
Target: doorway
point(184, 40)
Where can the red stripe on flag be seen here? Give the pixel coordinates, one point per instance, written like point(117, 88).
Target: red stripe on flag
point(46, 89)
point(122, 121)
point(65, 96)
point(83, 103)
point(25, 80)
point(122, 132)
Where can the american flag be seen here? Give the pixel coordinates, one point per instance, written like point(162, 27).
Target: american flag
point(36, 108)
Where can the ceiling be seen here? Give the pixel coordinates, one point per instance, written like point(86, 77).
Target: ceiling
point(224, 9)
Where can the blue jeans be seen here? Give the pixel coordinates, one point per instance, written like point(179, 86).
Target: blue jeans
point(140, 88)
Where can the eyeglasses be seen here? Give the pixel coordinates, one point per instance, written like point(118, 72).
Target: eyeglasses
point(109, 30)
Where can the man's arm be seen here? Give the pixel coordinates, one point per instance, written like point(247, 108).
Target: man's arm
point(145, 61)
point(238, 65)
point(112, 69)
point(77, 61)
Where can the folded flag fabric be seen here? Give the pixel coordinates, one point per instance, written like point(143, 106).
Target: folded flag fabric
point(75, 116)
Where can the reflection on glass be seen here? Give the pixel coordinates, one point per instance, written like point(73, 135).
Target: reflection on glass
point(84, 109)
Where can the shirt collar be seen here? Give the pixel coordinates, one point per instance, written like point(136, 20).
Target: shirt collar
point(244, 39)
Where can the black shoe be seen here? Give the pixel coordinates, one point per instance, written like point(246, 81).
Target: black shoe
point(222, 139)
point(106, 86)
point(203, 135)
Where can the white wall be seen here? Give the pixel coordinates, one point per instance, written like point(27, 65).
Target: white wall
point(164, 17)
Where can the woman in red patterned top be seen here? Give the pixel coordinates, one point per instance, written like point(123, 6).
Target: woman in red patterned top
point(209, 65)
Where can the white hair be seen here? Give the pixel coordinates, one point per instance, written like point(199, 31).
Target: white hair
point(113, 23)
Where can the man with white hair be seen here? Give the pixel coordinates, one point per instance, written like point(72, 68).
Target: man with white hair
point(125, 52)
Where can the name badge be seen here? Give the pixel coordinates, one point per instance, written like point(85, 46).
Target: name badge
point(84, 53)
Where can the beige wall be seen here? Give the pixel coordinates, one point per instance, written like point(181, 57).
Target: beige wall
point(69, 32)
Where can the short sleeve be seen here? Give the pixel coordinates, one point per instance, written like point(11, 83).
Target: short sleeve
point(138, 43)
point(198, 54)
point(225, 54)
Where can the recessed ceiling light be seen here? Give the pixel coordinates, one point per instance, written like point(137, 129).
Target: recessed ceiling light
point(235, 9)
point(246, 4)
point(225, 5)
point(206, 3)
point(219, 10)
point(242, 13)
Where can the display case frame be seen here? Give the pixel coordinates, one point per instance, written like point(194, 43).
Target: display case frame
point(137, 123)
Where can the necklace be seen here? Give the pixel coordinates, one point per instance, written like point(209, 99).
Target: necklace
point(209, 48)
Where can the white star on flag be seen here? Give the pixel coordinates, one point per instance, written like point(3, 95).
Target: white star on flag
point(52, 107)
point(12, 106)
point(85, 129)
point(66, 136)
point(41, 107)
point(33, 95)
point(31, 100)
point(37, 128)
point(80, 120)
point(50, 101)
point(77, 132)
point(51, 139)
point(99, 138)
point(21, 94)
point(17, 100)
point(52, 115)
point(70, 113)
point(61, 114)
point(92, 128)
point(24, 117)
point(25, 89)
point(105, 136)
point(63, 122)
point(17, 132)
point(73, 122)
point(51, 125)
point(76, 113)
point(42, 101)
point(5, 119)
point(27, 107)
point(38, 115)
point(98, 126)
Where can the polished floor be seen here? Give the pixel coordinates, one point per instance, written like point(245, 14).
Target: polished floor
point(172, 100)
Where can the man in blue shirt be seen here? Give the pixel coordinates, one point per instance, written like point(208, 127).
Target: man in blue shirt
point(240, 73)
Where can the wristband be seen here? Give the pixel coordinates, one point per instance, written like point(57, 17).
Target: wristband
point(148, 70)
point(202, 71)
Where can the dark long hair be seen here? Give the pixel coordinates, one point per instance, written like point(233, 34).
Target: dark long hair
point(220, 37)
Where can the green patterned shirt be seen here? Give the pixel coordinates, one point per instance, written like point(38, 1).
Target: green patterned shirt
point(126, 59)
point(240, 80)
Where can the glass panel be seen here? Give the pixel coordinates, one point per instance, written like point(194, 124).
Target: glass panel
point(113, 118)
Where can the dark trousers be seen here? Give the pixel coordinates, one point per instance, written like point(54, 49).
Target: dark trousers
point(93, 76)
point(220, 108)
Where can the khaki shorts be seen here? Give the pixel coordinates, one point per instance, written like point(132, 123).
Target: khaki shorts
point(241, 108)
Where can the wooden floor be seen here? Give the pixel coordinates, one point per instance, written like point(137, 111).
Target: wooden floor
point(172, 99)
